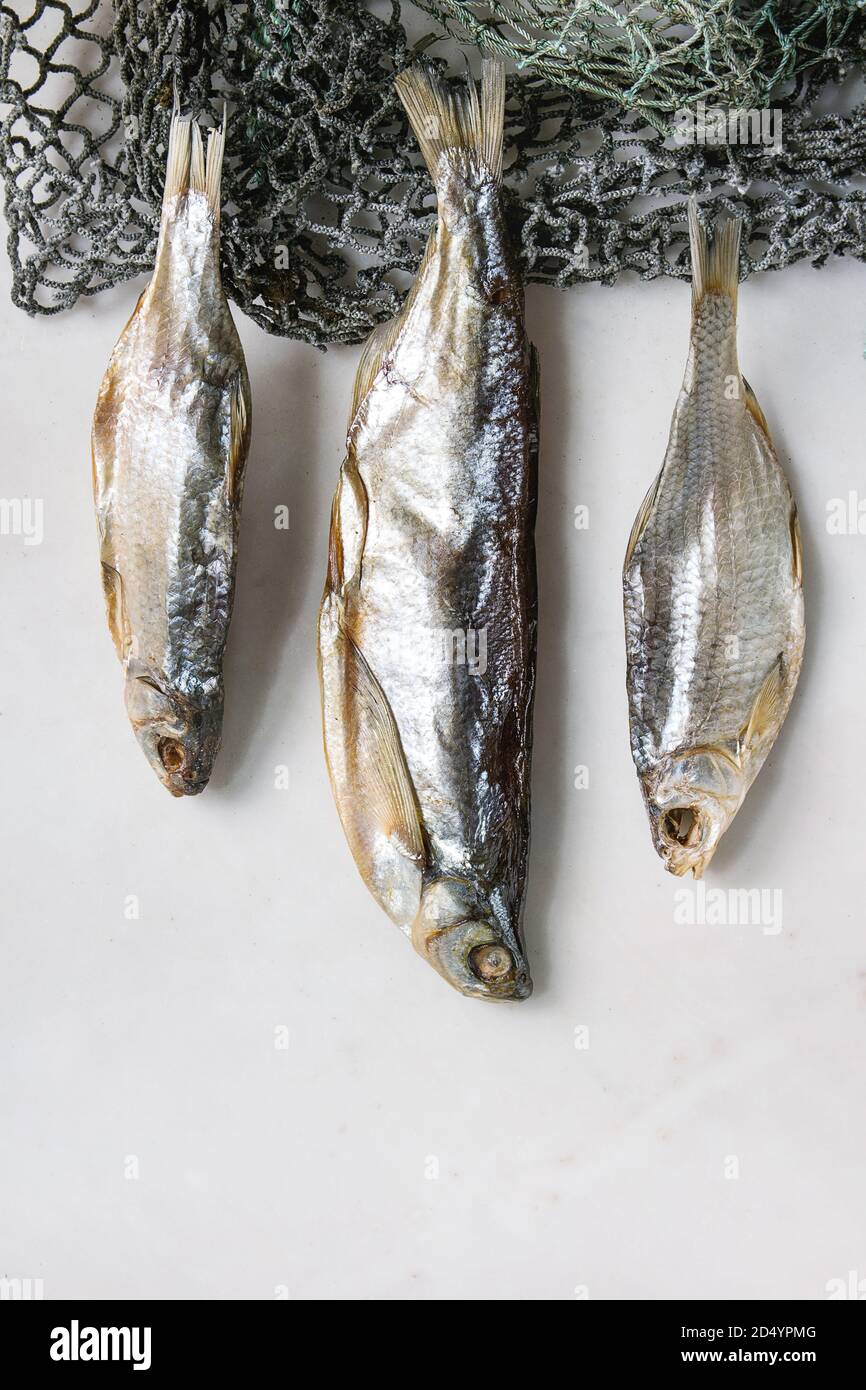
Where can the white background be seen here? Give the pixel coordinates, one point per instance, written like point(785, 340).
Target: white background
point(303, 1170)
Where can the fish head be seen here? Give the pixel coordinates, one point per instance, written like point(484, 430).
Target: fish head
point(179, 737)
point(692, 797)
point(460, 937)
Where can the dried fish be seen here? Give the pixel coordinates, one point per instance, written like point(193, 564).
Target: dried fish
point(431, 550)
point(170, 439)
point(713, 586)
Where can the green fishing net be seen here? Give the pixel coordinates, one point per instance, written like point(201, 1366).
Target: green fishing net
point(658, 58)
point(327, 204)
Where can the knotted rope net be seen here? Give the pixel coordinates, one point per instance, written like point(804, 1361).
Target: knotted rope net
point(658, 58)
point(327, 204)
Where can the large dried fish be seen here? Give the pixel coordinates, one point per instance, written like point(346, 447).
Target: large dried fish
point(712, 584)
point(170, 439)
point(427, 629)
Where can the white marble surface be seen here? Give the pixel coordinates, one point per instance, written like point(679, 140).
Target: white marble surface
point(307, 1171)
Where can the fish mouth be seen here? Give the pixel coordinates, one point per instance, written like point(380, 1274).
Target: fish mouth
point(180, 777)
point(186, 786)
point(681, 826)
point(686, 838)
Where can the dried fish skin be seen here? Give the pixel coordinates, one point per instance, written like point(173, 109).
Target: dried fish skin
point(712, 586)
point(432, 532)
point(170, 438)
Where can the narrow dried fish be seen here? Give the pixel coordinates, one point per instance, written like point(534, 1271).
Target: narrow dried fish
point(170, 438)
point(431, 562)
point(713, 586)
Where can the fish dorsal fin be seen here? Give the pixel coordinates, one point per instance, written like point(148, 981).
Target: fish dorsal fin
point(239, 439)
point(445, 119)
point(716, 264)
point(755, 410)
point(767, 709)
point(641, 520)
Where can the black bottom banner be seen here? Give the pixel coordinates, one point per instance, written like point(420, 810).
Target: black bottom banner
point(156, 1339)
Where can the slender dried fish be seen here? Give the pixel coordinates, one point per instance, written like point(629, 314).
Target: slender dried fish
point(170, 438)
point(427, 629)
point(713, 586)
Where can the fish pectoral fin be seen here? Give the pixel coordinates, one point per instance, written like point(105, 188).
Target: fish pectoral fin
point(372, 784)
point(641, 521)
point(380, 762)
point(118, 625)
point(767, 708)
point(239, 438)
point(755, 410)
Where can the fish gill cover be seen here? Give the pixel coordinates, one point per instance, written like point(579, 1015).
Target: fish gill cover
point(327, 205)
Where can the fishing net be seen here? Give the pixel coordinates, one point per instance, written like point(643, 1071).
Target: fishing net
point(658, 58)
point(327, 204)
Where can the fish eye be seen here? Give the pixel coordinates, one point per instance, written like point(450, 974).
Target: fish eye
point(171, 754)
point(491, 963)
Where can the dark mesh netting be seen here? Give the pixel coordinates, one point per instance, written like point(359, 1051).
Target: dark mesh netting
point(327, 204)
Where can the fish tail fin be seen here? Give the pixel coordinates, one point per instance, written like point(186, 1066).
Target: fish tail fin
point(187, 169)
point(445, 119)
point(716, 263)
point(196, 160)
point(177, 164)
point(216, 148)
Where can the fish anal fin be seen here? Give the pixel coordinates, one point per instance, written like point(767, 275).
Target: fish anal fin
point(382, 342)
point(641, 521)
point(766, 711)
point(370, 777)
point(373, 353)
point(755, 410)
point(239, 437)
